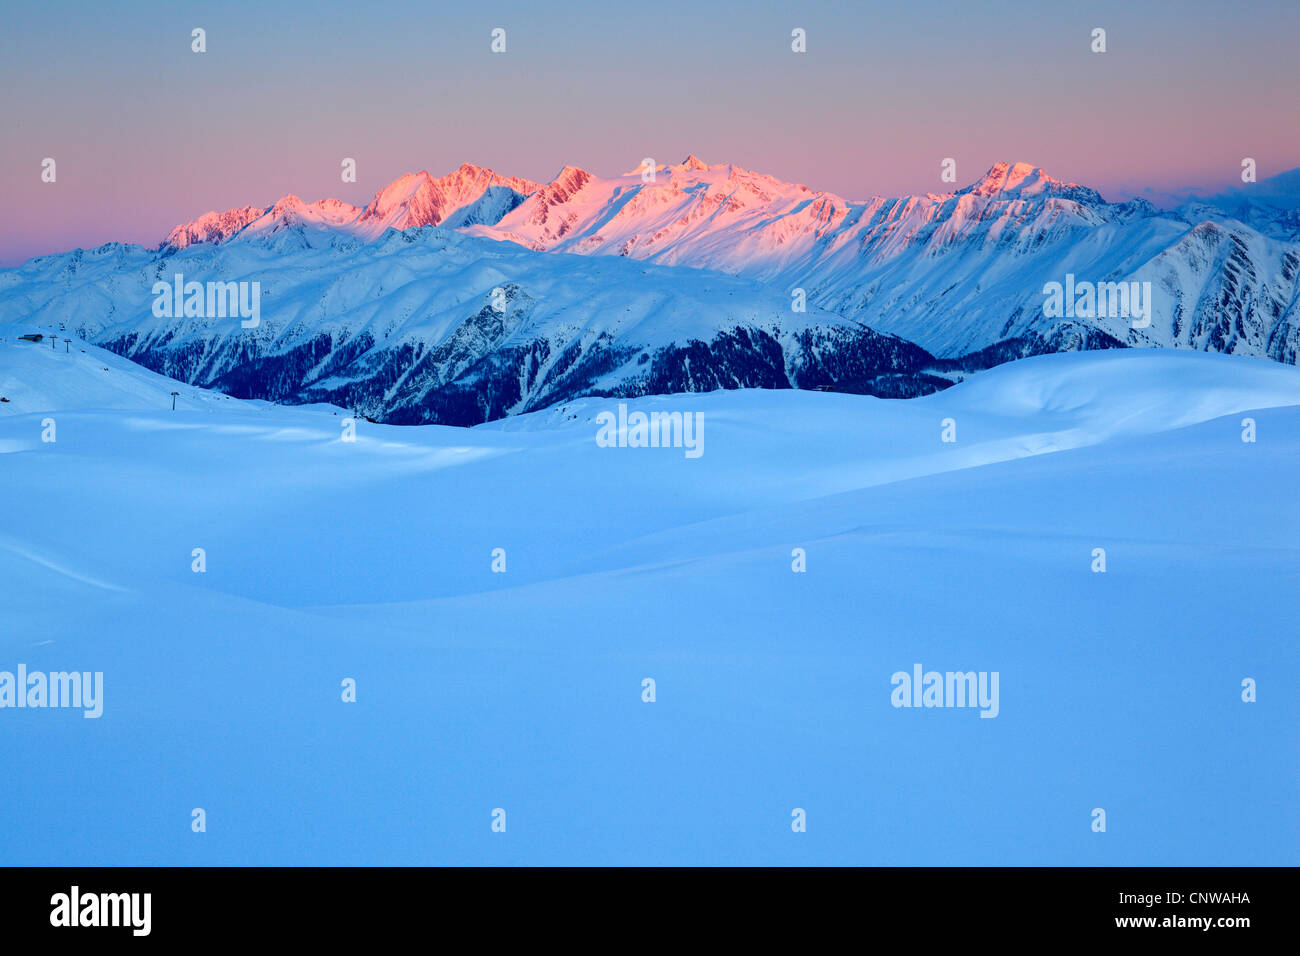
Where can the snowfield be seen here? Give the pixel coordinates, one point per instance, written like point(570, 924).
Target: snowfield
point(373, 560)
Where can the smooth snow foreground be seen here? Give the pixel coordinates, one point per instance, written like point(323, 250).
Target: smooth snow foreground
point(522, 691)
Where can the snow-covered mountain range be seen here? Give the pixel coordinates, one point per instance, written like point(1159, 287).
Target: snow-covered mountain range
point(475, 296)
point(468, 196)
point(954, 272)
point(428, 325)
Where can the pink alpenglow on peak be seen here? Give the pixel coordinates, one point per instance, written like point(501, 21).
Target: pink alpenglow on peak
point(1025, 181)
point(287, 212)
point(465, 196)
point(418, 199)
point(212, 227)
point(719, 216)
point(690, 163)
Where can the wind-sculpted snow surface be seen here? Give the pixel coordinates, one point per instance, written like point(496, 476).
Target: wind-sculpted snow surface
point(372, 560)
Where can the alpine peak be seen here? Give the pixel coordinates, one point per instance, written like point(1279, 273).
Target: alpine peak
point(1025, 181)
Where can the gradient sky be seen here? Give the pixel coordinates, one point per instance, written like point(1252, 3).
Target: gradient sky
point(147, 134)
